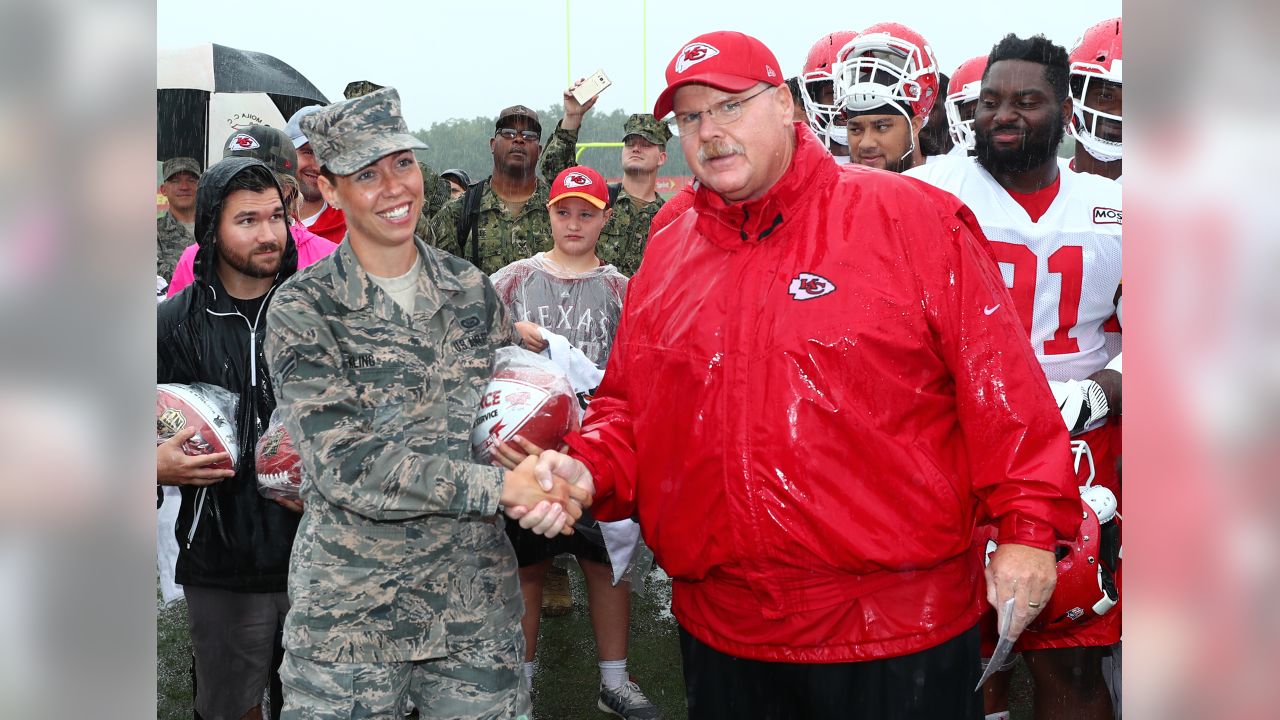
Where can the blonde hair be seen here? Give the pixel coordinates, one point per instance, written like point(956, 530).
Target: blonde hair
point(292, 194)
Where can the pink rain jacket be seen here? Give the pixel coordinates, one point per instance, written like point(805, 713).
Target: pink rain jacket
point(810, 399)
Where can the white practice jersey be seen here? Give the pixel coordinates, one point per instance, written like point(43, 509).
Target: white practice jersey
point(1063, 271)
point(1065, 164)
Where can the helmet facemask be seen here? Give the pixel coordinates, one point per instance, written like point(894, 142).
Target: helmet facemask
point(1085, 119)
point(961, 129)
point(879, 69)
point(873, 81)
point(825, 119)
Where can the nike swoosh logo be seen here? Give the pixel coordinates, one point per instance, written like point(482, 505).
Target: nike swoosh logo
point(989, 310)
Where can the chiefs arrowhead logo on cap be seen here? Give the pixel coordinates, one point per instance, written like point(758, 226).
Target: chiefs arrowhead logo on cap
point(243, 141)
point(694, 53)
point(576, 180)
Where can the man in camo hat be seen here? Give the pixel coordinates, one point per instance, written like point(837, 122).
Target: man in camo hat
point(403, 580)
point(644, 151)
point(175, 229)
point(502, 218)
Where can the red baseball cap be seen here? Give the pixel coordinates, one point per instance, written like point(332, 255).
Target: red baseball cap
point(723, 59)
point(580, 181)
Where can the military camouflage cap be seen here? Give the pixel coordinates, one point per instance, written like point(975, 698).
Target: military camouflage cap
point(517, 111)
point(266, 143)
point(647, 127)
point(354, 133)
point(173, 166)
point(356, 88)
point(457, 174)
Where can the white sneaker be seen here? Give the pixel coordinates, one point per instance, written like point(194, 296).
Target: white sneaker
point(628, 702)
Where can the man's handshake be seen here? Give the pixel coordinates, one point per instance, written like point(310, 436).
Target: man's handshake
point(545, 490)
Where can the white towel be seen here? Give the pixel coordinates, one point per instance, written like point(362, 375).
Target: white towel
point(582, 373)
point(621, 539)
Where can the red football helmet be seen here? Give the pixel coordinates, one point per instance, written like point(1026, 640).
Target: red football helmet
point(1086, 586)
point(1097, 57)
point(824, 117)
point(887, 62)
point(966, 82)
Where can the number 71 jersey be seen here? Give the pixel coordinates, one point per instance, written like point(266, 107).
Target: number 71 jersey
point(1063, 271)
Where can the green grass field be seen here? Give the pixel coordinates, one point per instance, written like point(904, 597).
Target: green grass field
point(567, 679)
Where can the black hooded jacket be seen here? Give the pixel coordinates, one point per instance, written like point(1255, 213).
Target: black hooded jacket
point(229, 536)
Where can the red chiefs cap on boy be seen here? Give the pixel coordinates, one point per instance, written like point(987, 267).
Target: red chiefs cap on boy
point(582, 182)
point(722, 59)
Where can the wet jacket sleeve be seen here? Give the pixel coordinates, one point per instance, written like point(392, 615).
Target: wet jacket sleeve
point(372, 474)
point(165, 361)
point(1018, 448)
point(559, 152)
point(607, 442)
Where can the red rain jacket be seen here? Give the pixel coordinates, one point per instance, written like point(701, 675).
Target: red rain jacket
point(811, 396)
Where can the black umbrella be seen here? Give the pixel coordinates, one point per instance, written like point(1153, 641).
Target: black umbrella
point(188, 78)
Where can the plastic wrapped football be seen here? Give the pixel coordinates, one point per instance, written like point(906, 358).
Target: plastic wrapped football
point(278, 464)
point(529, 396)
point(210, 409)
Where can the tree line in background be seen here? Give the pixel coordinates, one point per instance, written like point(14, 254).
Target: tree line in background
point(464, 143)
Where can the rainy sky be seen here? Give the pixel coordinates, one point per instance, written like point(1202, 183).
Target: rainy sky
point(477, 57)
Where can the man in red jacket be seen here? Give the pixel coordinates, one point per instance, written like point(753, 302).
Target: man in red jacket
point(819, 383)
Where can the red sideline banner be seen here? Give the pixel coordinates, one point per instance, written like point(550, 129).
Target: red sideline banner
point(667, 185)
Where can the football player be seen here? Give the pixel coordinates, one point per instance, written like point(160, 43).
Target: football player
point(886, 84)
point(1097, 94)
point(1057, 238)
point(817, 93)
point(961, 102)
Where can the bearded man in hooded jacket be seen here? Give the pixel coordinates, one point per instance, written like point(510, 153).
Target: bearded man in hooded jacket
point(234, 544)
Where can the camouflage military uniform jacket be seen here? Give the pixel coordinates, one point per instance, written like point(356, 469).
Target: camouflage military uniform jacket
point(435, 193)
point(503, 237)
point(172, 238)
point(623, 238)
point(400, 554)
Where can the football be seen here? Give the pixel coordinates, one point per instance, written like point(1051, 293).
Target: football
point(209, 409)
point(278, 464)
point(528, 401)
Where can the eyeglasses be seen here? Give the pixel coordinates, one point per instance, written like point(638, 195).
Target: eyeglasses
point(722, 114)
point(528, 135)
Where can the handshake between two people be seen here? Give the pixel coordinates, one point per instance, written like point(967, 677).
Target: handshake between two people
point(546, 491)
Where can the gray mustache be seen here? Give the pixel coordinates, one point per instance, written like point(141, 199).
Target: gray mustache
point(717, 148)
